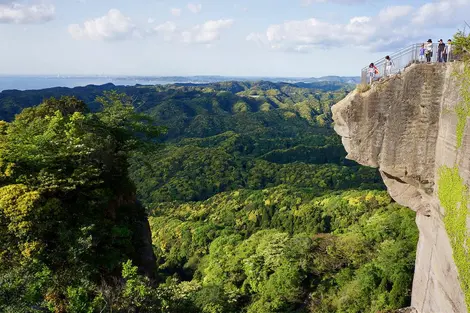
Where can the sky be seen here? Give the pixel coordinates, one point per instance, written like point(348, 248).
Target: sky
point(294, 38)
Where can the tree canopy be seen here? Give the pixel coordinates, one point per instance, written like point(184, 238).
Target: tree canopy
point(252, 205)
point(68, 210)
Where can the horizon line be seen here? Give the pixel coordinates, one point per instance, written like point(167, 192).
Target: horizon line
point(166, 76)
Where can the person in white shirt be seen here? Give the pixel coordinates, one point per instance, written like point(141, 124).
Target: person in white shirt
point(448, 51)
point(429, 51)
point(388, 66)
point(373, 70)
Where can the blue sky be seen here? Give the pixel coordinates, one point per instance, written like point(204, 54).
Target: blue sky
point(208, 37)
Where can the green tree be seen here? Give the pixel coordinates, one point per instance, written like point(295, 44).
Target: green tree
point(461, 45)
point(67, 205)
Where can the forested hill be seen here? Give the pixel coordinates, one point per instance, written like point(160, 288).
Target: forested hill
point(201, 96)
point(252, 206)
point(228, 135)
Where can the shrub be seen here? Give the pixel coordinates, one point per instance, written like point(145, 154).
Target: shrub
point(363, 87)
point(461, 45)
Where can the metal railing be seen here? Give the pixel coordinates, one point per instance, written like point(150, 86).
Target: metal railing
point(401, 59)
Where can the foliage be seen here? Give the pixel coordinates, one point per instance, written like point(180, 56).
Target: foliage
point(454, 197)
point(462, 109)
point(461, 45)
point(191, 173)
point(361, 88)
point(277, 250)
point(453, 193)
point(258, 150)
point(130, 127)
point(68, 214)
point(253, 206)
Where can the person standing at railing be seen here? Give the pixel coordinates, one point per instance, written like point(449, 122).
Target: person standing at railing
point(388, 66)
point(422, 52)
point(440, 51)
point(448, 51)
point(429, 51)
point(373, 70)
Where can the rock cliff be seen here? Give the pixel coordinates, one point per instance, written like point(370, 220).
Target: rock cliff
point(413, 127)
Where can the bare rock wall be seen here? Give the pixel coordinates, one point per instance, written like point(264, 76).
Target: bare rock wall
point(406, 126)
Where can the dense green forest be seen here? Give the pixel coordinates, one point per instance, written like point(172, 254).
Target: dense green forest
point(251, 204)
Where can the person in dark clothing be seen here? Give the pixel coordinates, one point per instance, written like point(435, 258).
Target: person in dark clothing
point(440, 51)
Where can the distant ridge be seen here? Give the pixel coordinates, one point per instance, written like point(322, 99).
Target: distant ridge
point(13, 101)
point(45, 82)
point(216, 79)
point(341, 79)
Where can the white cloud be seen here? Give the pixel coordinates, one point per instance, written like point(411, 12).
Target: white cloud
point(442, 13)
point(20, 13)
point(393, 27)
point(195, 8)
point(206, 33)
point(113, 26)
point(313, 33)
point(150, 20)
point(257, 38)
point(175, 12)
point(390, 14)
point(166, 30)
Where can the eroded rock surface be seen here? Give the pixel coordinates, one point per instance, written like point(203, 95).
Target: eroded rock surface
point(406, 310)
point(406, 126)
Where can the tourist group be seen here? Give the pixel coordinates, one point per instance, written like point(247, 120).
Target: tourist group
point(426, 52)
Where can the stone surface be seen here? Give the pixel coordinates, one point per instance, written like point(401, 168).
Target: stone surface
point(406, 310)
point(406, 126)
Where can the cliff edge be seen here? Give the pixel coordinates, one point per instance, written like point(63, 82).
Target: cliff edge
point(413, 127)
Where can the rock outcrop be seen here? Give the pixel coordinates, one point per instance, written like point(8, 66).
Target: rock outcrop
point(413, 128)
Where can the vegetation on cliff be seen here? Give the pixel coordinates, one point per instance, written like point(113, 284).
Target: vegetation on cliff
point(462, 48)
point(453, 192)
point(454, 198)
point(251, 203)
point(462, 109)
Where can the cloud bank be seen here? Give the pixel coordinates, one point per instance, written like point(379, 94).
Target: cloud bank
point(116, 26)
point(393, 27)
point(24, 13)
point(112, 26)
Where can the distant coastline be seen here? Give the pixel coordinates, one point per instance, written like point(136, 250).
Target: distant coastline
point(35, 82)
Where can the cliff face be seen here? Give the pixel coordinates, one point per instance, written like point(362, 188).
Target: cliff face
point(413, 128)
